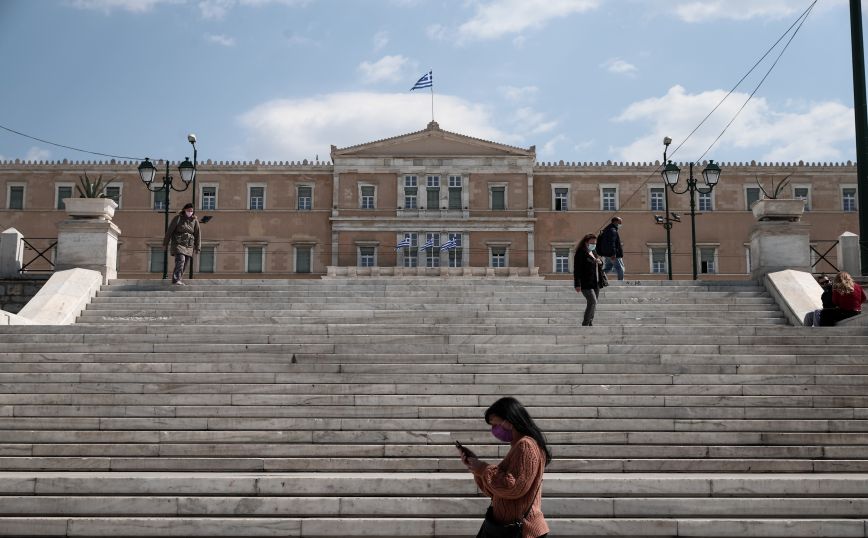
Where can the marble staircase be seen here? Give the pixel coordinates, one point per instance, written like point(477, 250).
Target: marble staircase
point(329, 408)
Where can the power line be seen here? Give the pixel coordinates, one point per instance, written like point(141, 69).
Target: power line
point(70, 147)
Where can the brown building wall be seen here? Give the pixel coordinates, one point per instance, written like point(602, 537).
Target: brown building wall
point(281, 228)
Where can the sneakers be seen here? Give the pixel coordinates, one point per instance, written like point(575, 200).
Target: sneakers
point(178, 283)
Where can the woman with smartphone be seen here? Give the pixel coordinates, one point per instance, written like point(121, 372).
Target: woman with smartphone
point(515, 484)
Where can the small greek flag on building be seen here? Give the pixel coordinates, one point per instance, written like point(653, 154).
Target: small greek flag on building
point(428, 244)
point(449, 245)
point(406, 242)
point(427, 81)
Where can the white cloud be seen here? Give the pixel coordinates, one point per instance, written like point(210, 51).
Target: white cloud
point(694, 11)
point(387, 68)
point(497, 18)
point(437, 32)
point(217, 9)
point(221, 39)
point(107, 6)
point(619, 67)
point(37, 154)
point(299, 40)
point(549, 149)
point(381, 39)
point(518, 94)
point(816, 132)
point(292, 129)
point(527, 120)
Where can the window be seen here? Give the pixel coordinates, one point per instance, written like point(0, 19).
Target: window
point(803, 192)
point(707, 260)
point(658, 260)
point(366, 257)
point(206, 260)
point(455, 192)
point(562, 260)
point(433, 199)
point(113, 192)
point(255, 258)
point(160, 199)
point(751, 196)
point(456, 255)
point(561, 196)
point(498, 198)
point(157, 259)
point(63, 191)
point(410, 191)
point(367, 198)
point(848, 198)
point(704, 201)
point(302, 259)
point(498, 256)
point(305, 197)
point(432, 253)
point(209, 197)
point(256, 198)
point(15, 197)
point(410, 258)
point(656, 199)
point(609, 198)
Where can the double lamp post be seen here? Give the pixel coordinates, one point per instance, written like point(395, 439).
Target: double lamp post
point(711, 175)
point(187, 170)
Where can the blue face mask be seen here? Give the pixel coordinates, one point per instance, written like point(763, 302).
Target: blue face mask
point(592, 246)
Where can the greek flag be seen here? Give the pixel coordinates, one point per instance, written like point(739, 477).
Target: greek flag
point(449, 245)
point(428, 244)
point(427, 81)
point(404, 243)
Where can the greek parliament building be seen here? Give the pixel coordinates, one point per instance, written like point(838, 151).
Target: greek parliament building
point(505, 213)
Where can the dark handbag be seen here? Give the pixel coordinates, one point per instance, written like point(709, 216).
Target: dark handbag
point(492, 529)
point(603, 279)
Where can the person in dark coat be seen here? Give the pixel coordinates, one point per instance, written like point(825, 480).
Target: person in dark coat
point(185, 239)
point(609, 247)
point(588, 275)
point(814, 319)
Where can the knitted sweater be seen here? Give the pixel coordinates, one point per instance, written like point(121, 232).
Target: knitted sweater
point(514, 483)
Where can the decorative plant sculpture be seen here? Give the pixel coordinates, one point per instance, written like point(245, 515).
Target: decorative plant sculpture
point(775, 191)
point(92, 189)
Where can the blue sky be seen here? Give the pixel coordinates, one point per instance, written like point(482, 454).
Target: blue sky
point(583, 80)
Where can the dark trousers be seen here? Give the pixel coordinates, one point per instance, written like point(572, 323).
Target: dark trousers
point(180, 263)
point(591, 295)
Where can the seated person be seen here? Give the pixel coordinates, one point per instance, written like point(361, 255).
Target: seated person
point(812, 319)
point(848, 298)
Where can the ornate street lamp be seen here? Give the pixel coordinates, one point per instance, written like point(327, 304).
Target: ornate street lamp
point(711, 175)
point(147, 173)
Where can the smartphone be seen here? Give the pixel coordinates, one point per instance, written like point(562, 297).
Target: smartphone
point(464, 450)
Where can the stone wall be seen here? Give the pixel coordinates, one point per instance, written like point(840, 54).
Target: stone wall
point(14, 293)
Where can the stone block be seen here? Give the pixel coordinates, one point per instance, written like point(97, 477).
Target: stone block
point(848, 252)
point(63, 297)
point(11, 253)
point(796, 292)
point(777, 246)
point(88, 244)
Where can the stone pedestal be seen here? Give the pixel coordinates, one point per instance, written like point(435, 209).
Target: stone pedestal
point(777, 245)
point(88, 244)
point(848, 254)
point(11, 253)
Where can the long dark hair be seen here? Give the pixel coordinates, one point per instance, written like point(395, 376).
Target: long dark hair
point(584, 242)
point(511, 410)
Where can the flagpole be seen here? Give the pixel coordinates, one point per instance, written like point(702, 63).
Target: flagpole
point(431, 74)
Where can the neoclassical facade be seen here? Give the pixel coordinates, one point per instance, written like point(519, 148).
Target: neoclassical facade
point(376, 206)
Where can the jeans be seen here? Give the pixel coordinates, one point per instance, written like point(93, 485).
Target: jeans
point(618, 264)
point(590, 296)
point(180, 263)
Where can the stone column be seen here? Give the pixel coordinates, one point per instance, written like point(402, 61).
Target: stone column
point(531, 252)
point(11, 253)
point(89, 240)
point(848, 253)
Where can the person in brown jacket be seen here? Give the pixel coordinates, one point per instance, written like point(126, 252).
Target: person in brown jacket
point(185, 238)
point(515, 484)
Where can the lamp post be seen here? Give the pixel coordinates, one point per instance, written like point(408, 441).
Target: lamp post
point(711, 174)
point(147, 171)
point(666, 221)
point(191, 138)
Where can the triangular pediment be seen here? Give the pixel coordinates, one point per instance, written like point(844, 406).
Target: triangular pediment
point(432, 142)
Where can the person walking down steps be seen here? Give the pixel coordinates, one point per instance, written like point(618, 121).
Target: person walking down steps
point(610, 248)
point(588, 276)
point(185, 238)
